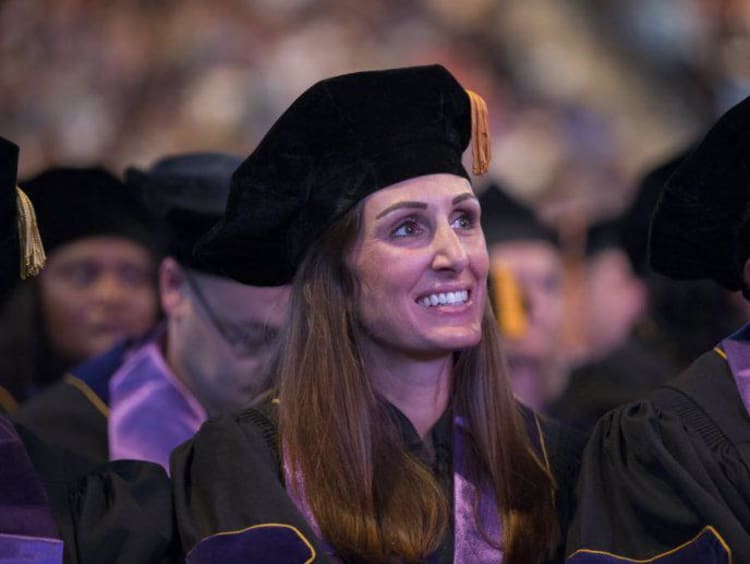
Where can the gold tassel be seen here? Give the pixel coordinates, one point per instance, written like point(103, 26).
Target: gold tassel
point(511, 314)
point(480, 134)
point(30, 242)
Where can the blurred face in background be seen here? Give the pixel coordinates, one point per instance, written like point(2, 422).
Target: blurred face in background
point(615, 301)
point(537, 269)
point(221, 334)
point(94, 292)
point(533, 355)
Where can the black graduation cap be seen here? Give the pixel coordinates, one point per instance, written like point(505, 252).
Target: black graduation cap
point(341, 140)
point(189, 192)
point(72, 203)
point(637, 217)
point(699, 228)
point(504, 218)
point(9, 256)
point(21, 252)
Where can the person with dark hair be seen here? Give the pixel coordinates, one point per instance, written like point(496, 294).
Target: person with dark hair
point(390, 433)
point(98, 285)
point(644, 328)
point(205, 358)
point(669, 476)
point(55, 506)
point(525, 267)
point(617, 367)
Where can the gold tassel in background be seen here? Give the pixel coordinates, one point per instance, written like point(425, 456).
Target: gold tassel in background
point(480, 134)
point(511, 314)
point(30, 242)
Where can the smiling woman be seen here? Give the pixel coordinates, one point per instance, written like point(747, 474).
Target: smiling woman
point(390, 433)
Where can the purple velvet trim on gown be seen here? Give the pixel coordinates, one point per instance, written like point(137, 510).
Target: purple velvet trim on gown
point(706, 548)
point(737, 349)
point(268, 543)
point(470, 547)
point(27, 530)
point(151, 411)
point(15, 549)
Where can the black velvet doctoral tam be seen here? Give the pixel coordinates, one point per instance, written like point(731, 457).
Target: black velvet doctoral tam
point(73, 203)
point(341, 140)
point(700, 227)
point(188, 193)
point(9, 255)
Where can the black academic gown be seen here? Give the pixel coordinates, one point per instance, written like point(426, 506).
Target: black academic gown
point(669, 476)
point(625, 375)
point(228, 484)
point(73, 413)
point(119, 512)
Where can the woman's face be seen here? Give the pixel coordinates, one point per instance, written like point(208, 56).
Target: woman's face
point(94, 292)
point(421, 263)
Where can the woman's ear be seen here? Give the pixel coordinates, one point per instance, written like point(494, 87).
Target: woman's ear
point(172, 280)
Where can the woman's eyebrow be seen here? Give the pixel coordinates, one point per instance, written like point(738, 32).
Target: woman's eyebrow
point(464, 196)
point(398, 205)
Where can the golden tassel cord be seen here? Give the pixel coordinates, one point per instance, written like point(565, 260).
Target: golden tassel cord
point(480, 134)
point(30, 242)
point(511, 313)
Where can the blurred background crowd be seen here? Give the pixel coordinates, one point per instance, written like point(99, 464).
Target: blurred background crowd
point(583, 93)
point(585, 97)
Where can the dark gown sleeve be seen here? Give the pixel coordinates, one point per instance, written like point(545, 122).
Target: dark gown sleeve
point(650, 487)
point(118, 512)
point(70, 416)
point(230, 501)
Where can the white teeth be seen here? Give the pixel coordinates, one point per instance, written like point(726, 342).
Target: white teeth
point(444, 298)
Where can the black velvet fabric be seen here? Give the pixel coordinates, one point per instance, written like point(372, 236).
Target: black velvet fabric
point(9, 255)
point(189, 193)
point(73, 203)
point(699, 226)
point(637, 217)
point(341, 140)
point(504, 218)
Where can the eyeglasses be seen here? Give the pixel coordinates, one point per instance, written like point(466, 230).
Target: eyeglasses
point(244, 339)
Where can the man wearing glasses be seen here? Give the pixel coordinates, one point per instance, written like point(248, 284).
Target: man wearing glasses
point(143, 398)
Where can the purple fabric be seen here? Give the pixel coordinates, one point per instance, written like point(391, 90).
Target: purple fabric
point(737, 349)
point(27, 530)
point(23, 502)
point(706, 548)
point(470, 546)
point(270, 544)
point(32, 550)
point(151, 411)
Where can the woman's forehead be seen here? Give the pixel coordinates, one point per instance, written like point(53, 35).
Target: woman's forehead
point(420, 189)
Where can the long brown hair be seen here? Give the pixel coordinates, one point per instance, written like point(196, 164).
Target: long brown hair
point(373, 500)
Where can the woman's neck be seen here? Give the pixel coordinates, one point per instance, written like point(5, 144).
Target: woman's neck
point(419, 388)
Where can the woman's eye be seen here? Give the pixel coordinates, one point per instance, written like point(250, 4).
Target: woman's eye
point(406, 229)
point(464, 221)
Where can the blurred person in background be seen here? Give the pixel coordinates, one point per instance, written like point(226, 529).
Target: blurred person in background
point(616, 367)
point(56, 507)
point(670, 474)
point(683, 318)
point(526, 272)
point(98, 286)
point(146, 396)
